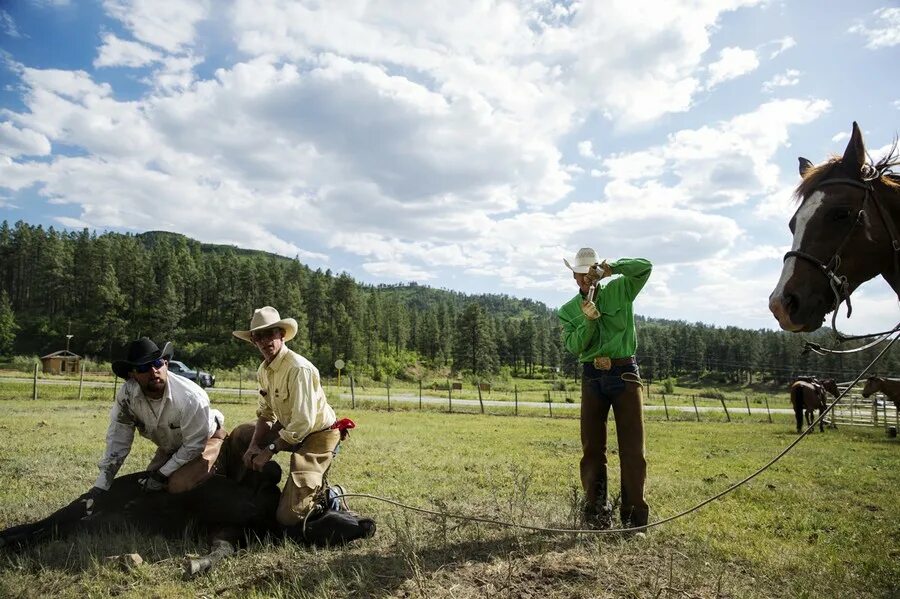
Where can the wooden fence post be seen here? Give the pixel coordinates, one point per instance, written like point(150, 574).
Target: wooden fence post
point(747, 401)
point(388, 383)
point(480, 402)
point(665, 405)
point(696, 411)
point(352, 393)
point(81, 382)
point(449, 396)
point(727, 415)
point(240, 383)
point(420, 394)
point(550, 403)
point(115, 386)
point(34, 386)
point(516, 396)
point(769, 412)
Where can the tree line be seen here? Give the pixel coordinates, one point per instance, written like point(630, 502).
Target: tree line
point(109, 288)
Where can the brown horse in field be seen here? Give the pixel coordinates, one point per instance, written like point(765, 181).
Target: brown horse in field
point(890, 388)
point(807, 396)
point(845, 233)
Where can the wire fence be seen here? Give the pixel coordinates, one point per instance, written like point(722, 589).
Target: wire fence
point(484, 398)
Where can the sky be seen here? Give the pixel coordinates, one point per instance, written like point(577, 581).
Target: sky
point(467, 145)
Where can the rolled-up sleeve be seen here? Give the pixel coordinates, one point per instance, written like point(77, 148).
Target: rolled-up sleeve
point(304, 387)
point(119, 437)
point(194, 431)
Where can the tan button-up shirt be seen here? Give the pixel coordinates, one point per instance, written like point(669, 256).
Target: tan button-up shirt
point(290, 392)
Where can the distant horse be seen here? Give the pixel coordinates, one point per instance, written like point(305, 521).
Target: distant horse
point(807, 396)
point(890, 387)
point(845, 233)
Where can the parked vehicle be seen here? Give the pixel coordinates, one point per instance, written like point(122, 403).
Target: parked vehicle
point(204, 379)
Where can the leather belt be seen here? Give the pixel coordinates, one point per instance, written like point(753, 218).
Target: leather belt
point(604, 363)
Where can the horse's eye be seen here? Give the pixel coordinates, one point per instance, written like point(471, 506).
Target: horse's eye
point(839, 213)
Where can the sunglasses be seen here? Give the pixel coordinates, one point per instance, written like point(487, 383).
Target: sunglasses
point(157, 364)
point(265, 334)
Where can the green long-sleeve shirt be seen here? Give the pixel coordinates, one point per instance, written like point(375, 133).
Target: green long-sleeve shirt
point(612, 335)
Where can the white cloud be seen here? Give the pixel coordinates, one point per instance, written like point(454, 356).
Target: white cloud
point(784, 44)
point(117, 52)
point(17, 142)
point(732, 63)
point(896, 104)
point(789, 78)
point(720, 165)
point(170, 25)
point(8, 25)
point(885, 33)
point(586, 149)
point(842, 136)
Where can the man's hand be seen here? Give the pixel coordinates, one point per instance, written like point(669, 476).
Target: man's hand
point(261, 458)
point(156, 481)
point(590, 310)
point(251, 453)
point(599, 271)
point(88, 499)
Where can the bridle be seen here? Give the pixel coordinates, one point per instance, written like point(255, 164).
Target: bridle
point(838, 283)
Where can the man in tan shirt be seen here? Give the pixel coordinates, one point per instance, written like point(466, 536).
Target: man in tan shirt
point(292, 415)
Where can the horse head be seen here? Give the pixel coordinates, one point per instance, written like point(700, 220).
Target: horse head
point(873, 385)
point(843, 235)
point(831, 386)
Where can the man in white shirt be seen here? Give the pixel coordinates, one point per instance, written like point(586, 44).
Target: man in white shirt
point(167, 409)
point(292, 415)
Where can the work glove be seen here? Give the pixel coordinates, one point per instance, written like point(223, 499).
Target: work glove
point(156, 481)
point(590, 311)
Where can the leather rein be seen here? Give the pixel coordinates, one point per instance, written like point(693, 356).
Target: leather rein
point(838, 283)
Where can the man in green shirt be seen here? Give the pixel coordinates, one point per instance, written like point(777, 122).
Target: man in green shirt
point(598, 328)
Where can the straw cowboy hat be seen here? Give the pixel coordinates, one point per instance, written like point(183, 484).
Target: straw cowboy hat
point(268, 318)
point(138, 352)
point(584, 260)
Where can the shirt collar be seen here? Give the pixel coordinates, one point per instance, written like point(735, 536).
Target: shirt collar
point(279, 357)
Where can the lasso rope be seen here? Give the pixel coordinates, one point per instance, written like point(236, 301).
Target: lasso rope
point(635, 529)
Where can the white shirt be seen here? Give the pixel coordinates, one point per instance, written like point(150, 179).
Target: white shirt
point(180, 423)
point(290, 391)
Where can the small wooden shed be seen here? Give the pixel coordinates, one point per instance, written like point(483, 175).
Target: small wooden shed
point(61, 362)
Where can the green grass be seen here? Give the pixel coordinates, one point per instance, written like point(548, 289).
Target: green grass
point(822, 522)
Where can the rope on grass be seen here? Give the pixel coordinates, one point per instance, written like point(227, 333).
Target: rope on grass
point(636, 529)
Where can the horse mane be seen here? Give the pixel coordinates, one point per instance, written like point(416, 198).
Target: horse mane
point(816, 174)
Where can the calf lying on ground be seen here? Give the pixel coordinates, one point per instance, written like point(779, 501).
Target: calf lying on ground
point(227, 512)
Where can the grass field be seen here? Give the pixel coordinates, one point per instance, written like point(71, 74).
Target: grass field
point(823, 522)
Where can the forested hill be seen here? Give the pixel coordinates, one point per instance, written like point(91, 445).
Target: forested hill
point(106, 289)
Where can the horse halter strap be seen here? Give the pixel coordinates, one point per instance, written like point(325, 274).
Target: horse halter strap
point(838, 283)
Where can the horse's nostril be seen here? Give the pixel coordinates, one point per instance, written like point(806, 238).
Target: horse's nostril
point(790, 303)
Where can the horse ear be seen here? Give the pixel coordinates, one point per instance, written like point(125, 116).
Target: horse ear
point(855, 154)
point(805, 165)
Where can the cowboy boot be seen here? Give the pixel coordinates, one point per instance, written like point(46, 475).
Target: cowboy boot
point(598, 514)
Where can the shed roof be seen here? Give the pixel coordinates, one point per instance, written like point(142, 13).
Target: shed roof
point(63, 353)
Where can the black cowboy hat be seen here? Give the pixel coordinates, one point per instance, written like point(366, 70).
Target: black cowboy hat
point(138, 352)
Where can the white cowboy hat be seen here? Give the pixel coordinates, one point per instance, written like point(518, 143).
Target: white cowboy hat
point(584, 260)
point(267, 317)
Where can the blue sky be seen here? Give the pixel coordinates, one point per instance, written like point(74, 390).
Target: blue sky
point(467, 145)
